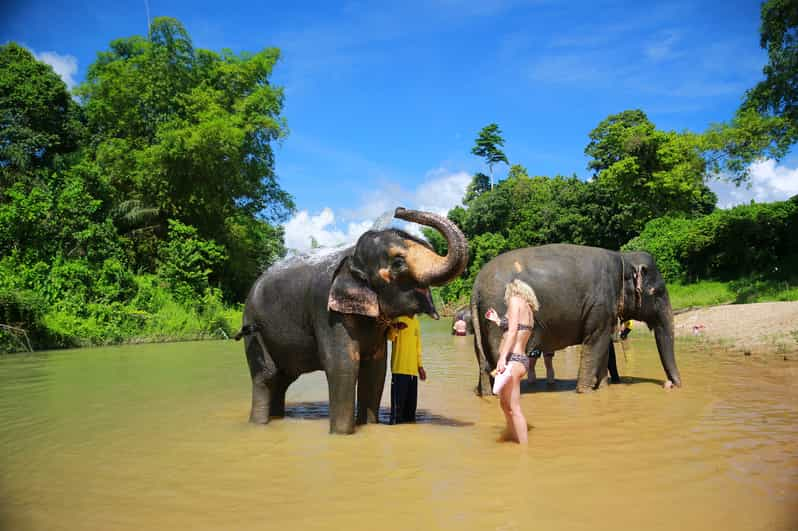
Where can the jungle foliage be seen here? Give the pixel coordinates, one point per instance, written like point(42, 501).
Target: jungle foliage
point(145, 205)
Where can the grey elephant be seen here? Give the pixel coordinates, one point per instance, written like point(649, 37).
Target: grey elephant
point(331, 313)
point(583, 291)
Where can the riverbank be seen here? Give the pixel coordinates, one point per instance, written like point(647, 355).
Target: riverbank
point(767, 329)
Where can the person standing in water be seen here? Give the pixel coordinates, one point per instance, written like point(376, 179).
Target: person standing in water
point(406, 368)
point(513, 363)
point(460, 327)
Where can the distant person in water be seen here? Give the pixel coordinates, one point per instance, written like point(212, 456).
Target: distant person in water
point(626, 329)
point(513, 363)
point(460, 327)
point(406, 368)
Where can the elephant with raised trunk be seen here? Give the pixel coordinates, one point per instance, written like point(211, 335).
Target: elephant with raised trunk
point(583, 291)
point(331, 313)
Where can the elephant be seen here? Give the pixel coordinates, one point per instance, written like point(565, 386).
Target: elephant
point(331, 312)
point(583, 291)
point(463, 313)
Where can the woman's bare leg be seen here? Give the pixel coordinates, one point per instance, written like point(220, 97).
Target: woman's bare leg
point(504, 402)
point(518, 419)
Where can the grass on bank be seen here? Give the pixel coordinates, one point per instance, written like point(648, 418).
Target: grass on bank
point(153, 314)
point(741, 291)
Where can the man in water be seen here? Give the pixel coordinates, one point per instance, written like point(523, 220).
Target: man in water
point(406, 368)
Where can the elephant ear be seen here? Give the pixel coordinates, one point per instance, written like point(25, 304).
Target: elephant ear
point(350, 294)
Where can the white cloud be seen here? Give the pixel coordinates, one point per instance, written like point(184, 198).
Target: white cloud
point(663, 47)
point(65, 66)
point(441, 191)
point(303, 227)
point(769, 182)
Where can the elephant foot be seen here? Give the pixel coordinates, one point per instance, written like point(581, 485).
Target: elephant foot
point(339, 429)
point(258, 418)
point(259, 413)
point(584, 389)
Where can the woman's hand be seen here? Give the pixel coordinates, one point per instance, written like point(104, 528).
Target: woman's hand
point(501, 366)
point(492, 315)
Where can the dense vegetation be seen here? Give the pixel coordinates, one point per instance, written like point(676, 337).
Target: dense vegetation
point(144, 207)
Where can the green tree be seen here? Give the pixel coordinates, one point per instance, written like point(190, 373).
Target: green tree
point(188, 133)
point(777, 94)
point(38, 118)
point(651, 172)
point(766, 125)
point(187, 261)
point(480, 183)
point(487, 146)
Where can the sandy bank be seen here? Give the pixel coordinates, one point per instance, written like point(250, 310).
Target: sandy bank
point(761, 328)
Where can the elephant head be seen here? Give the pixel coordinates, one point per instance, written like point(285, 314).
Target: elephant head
point(390, 271)
point(645, 297)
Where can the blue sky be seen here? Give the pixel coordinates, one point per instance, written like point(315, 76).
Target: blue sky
point(384, 99)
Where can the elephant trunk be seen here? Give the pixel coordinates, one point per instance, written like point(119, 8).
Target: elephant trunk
point(663, 333)
point(428, 267)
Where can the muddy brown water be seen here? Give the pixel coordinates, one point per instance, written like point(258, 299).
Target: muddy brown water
point(155, 437)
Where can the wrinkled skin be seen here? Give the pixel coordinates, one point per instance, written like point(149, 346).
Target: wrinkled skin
point(330, 313)
point(463, 313)
point(582, 291)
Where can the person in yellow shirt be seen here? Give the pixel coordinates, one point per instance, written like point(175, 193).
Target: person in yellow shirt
point(406, 368)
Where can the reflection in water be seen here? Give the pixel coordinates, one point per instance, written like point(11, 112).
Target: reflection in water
point(321, 410)
point(155, 437)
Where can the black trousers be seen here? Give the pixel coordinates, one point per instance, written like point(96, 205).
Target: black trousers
point(404, 397)
point(612, 365)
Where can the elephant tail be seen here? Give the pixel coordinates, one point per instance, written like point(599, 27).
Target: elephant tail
point(246, 330)
point(483, 384)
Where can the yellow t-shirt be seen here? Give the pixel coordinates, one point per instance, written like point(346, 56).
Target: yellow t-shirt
point(406, 346)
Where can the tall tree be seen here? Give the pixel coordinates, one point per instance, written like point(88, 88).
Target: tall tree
point(487, 146)
point(766, 125)
point(777, 94)
point(651, 172)
point(189, 132)
point(38, 118)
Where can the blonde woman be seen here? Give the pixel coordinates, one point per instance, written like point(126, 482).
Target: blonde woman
point(513, 363)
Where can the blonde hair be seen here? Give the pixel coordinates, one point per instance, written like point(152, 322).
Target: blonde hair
point(519, 288)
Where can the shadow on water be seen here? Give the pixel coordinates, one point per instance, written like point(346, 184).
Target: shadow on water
point(321, 410)
point(541, 386)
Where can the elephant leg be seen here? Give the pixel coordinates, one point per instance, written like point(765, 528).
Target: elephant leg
point(262, 371)
point(593, 365)
point(277, 387)
point(370, 383)
point(341, 382)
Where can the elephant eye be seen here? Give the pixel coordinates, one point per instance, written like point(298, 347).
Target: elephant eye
point(397, 264)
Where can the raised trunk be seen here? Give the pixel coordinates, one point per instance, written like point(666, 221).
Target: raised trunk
point(663, 333)
point(429, 268)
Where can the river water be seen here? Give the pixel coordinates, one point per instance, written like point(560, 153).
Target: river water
point(155, 437)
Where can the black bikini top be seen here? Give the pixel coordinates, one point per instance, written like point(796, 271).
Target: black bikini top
point(505, 325)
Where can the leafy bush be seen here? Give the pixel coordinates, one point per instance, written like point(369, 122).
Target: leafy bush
point(756, 239)
point(187, 261)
